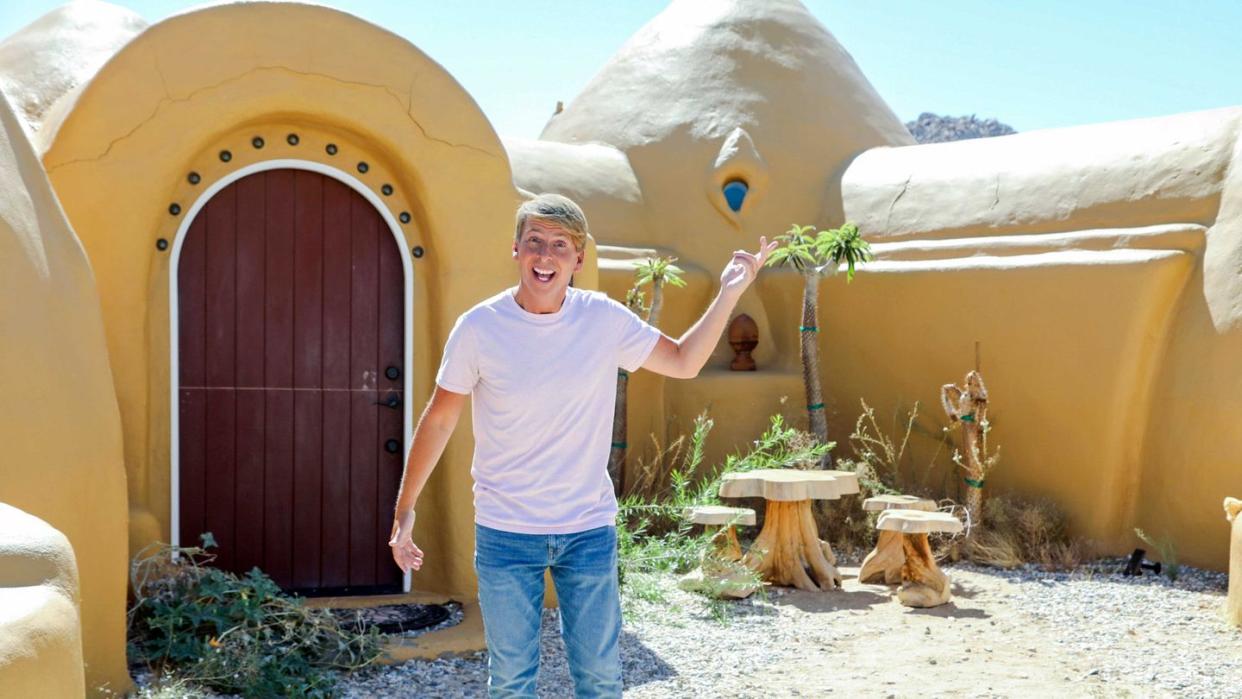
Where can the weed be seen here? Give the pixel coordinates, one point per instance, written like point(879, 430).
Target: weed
point(209, 628)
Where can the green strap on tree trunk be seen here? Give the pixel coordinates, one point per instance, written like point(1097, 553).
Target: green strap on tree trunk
point(817, 406)
point(808, 329)
point(969, 417)
point(974, 483)
point(618, 445)
point(622, 373)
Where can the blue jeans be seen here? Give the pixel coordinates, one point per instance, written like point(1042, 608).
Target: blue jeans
point(584, 570)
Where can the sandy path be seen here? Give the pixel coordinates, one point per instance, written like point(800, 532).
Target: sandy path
point(974, 646)
point(862, 642)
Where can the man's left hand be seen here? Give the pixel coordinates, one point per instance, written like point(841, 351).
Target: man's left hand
point(745, 266)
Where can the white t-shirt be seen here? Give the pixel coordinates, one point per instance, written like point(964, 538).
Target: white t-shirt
point(544, 388)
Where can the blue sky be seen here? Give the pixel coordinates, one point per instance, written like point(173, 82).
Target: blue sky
point(1032, 64)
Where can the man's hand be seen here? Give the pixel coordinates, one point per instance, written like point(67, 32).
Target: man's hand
point(407, 556)
point(745, 266)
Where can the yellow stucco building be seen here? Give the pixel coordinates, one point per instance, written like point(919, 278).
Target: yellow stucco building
point(234, 242)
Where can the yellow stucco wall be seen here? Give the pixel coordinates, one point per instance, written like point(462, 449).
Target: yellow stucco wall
point(60, 434)
point(1097, 267)
point(40, 631)
point(211, 80)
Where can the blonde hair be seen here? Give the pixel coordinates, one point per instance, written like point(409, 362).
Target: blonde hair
point(557, 210)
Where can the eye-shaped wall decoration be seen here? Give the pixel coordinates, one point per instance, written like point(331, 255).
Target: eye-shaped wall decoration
point(738, 178)
point(735, 193)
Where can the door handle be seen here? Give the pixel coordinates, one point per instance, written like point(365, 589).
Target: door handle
point(392, 401)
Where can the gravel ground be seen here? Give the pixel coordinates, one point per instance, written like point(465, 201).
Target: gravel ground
point(1024, 632)
point(1168, 637)
point(1019, 632)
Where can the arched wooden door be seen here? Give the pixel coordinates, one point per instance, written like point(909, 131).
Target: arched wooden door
point(291, 340)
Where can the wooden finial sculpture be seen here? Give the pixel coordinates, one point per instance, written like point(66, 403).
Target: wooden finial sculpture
point(968, 407)
point(743, 338)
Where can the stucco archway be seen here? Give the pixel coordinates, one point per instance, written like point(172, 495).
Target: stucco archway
point(201, 96)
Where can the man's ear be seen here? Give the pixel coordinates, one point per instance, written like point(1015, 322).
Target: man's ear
point(581, 257)
point(515, 249)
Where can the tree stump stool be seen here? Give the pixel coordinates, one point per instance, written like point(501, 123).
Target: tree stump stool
point(788, 550)
point(716, 575)
point(720, 522)
point(883, 564)
point(923, 584)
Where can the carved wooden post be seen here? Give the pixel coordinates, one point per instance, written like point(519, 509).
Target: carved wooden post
point(969, 407)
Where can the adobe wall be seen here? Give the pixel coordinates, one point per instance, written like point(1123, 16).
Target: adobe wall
point(211, 80)
point(1096, 266)
point(40, 631)
point(60, 437)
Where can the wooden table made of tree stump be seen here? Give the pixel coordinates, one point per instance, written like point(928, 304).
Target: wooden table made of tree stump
point(788, 550)
point(883, 564)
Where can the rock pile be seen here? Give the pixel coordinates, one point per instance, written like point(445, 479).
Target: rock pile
point(932, 128)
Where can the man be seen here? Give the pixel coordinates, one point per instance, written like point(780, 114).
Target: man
point(540, 362)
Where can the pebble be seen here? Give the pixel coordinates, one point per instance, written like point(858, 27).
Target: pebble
point(1128, 624)
point(1165, 638)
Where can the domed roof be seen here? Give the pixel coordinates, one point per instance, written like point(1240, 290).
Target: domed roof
point(59, 52)
point(709, 66)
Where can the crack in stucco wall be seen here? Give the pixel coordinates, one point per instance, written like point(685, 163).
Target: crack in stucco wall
point(897, 198)
point(406, 104)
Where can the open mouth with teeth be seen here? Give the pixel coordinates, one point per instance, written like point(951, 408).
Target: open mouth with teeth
point(544, 275)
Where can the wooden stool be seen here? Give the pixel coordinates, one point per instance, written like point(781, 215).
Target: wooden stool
point(883, 564)
point(715, 575)
point(720, 520)
point(923, 584)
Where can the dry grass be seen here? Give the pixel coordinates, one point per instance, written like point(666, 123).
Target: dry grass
point(1020, 531)
point(877, 454)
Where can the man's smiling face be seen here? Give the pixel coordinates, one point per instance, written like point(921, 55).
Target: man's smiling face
point(547, 261)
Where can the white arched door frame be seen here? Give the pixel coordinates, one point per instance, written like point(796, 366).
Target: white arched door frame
point(174, 329)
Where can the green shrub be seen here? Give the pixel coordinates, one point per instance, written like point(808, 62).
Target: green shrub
point(235, 634)
point(652, 532)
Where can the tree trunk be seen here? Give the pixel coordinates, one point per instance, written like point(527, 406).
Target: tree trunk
point(923, 583)
point(657, 302)
point(810, 360)
point(788, 550)
point(620, 416)
point(616, 456)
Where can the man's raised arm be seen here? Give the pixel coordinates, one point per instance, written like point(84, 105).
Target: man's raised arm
point(432, 434)
point(683, 358)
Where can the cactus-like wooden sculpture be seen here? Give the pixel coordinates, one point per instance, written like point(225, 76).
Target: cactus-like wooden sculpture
point(968, 407)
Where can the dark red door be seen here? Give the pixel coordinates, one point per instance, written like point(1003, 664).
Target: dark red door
point(290, 302)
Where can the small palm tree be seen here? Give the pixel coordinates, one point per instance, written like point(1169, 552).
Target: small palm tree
point(656, 271)
point(816, 254)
